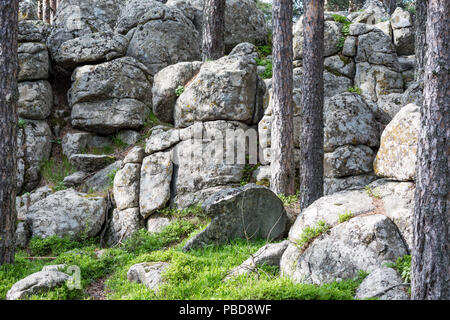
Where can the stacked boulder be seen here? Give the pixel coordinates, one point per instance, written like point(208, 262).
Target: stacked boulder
point(35, 98)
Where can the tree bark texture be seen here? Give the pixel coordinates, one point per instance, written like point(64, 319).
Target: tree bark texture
point(431, 246)
point(9, 10)
point(213, 44)
point(421, 41)
point(311, 134)
point(282, 135)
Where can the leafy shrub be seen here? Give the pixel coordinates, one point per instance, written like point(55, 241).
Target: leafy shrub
point(403, 267)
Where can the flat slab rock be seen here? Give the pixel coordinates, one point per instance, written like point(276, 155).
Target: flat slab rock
point(250, 211)
point(35, 283)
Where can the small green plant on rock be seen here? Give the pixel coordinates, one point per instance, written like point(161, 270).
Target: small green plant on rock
point(403, 267)
point(54, 171)
point(21, 123)
point(310, 233)
point(179, 90)
point(345, 216)
point(355, 90)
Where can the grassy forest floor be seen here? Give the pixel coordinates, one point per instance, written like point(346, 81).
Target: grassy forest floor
point(197, 274)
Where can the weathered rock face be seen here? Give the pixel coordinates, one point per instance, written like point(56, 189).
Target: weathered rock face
point(78, 18)
point(251, 211)
point(28, 10)
point(159, 35)
point(349, 120)
point(380, 280)
point(33, 31)
point(67, 213)
point(101, 180)
point(348, 160)
point(126, 186)
point(244, 22)
point(35, 100)
point(36, 283)
point(332, 33)
point(91, 48)
point(165, 86)
point(34, 142)
point(402, 24)
point(110, 96)
point(90, 162)
point(123, 224)
point(398, 203)
point(33, 61)
point(362, 243)
point(201, 168)
point(396, 157)
point(223, 90)
point(156, 176)
point(148, 273)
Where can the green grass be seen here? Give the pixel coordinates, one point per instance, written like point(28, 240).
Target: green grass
point(111, 176)
point(118, 142)
point(192, 211)
point(345, 216)
point(54, 171)
point(248, 172)
point(310, 233)
point(372, 193)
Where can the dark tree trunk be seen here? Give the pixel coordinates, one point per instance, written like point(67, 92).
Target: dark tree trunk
point(421, 43)
point(9, 11)
point(431, 247)
point(213, 46)
point(390, 5)
point(311, 135)
point(282, 136)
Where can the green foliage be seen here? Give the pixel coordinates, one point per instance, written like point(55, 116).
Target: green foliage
point(310, 233)
point(54, 171)
point(287, 200)
point(248, 172)
point(341, 19)
point(403, 267)
point(144, 241)
point(263, 182)
point(372, 193)
point(118, 142)
point(267, 74)
point(355, 90)
point(345, 216)
point(21, 123)
point(54, 245)
point(111, 176)
point(151, 120)
point(192, 211)
point(340, 43)
point(179, 90)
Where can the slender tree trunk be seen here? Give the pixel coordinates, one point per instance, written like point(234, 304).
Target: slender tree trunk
point(282, 136)
point(421, 42)
point(9, 11)
point(213, 46)
point(390, 5)
point(311, 135)
point(431, 247)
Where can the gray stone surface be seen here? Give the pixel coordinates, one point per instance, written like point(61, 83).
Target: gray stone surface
point(379, 280)
point(148, 273)
point(90, 162)
point(246, 212)
point(67, 213)
point(35, 100)
point(33, 61)
point(396, 157)
point(35, 283)
point(362, 243)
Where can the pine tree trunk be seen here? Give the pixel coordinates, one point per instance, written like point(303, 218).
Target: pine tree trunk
point(8, 127)
point(311, 135)
point(421, 43)
point(431, 246)
point(213, 46)
point(282, 136)
point(390, 5)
